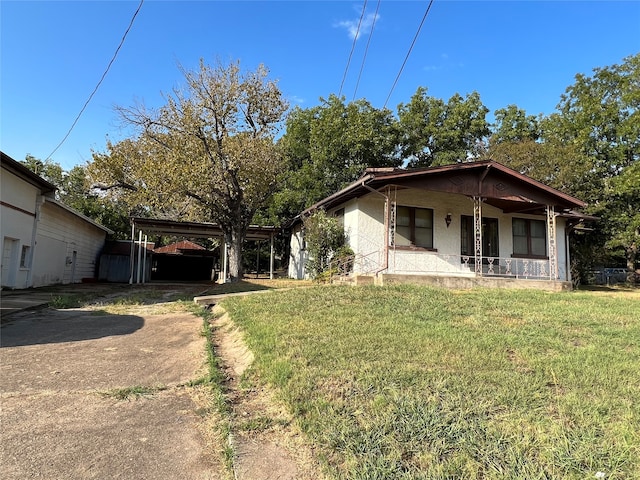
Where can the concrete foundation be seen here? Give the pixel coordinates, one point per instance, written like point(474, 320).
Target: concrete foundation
point(464, 283)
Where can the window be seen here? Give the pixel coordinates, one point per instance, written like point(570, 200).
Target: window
point(414, 227)
point(529, 238)
point(339, 215)
point(24, 256)
point(489, 237)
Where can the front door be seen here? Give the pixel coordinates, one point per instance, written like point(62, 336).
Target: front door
point(489, 237)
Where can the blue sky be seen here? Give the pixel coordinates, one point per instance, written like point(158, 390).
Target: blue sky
point(511, 52)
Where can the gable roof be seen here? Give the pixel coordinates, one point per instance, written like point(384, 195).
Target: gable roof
point(19, 170)
point(499, 186)
point(177, 247)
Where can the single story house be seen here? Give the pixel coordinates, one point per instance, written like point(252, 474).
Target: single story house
point(461, 225)
point(44, 242)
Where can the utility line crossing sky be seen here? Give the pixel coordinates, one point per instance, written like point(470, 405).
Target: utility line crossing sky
point(511, 52)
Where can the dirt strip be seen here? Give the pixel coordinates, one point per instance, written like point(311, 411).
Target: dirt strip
point(266, 442)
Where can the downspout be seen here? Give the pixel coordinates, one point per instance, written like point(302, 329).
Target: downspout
point(385, 238)
point(40, 199)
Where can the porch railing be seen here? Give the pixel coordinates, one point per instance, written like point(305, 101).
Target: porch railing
point(464, 265)
point(432, 263)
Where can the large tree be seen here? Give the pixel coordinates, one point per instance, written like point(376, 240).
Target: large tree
point(329, 146)
point(207, 154)
point(439, 133)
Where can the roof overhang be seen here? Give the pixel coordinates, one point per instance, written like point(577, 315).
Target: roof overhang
point(196, 229)
point(20, 171)
point(497, 185)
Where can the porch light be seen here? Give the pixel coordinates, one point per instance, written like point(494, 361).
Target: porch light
point(448, 219)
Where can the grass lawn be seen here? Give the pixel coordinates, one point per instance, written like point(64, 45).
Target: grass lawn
point(412, 382)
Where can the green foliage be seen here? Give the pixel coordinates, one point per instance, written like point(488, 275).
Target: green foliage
point(413, 383)
point(134, 392)
point(325, 238)
point(329, 146)
point(439, 133)
point(208, 154)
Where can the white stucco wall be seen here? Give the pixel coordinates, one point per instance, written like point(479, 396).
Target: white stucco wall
point(370, 237)
point(60, 234)
point(17, 220)
point(298, 256)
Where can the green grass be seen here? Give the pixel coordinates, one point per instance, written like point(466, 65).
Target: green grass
point(134, 392)
point(418, 383)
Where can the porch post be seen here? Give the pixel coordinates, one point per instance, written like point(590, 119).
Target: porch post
point(553, 249)
point(271, 255)
point(224, 263)
point(132, 252)
point(477, 229)
point(139, 255)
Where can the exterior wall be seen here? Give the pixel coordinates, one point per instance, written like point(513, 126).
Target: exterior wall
point(364, 226)
point(67, 247)
point(446, 259)
point(17, 223)
point(298, 255)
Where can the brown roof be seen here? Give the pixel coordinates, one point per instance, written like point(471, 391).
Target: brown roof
point(498, 186)
point(178, 247)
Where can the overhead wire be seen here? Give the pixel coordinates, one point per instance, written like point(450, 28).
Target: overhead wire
point(364, 57)
point(99, 82)
point(408, 53)
point(353, 46)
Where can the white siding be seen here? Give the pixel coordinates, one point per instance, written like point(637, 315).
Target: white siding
point(60, 234)
point(17, 220)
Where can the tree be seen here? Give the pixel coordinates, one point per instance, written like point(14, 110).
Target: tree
point(51, 171)
point(439, 133)
point(514, 125)
point(74, 190)
point(324, 237)
point(329, 146)
point(207, 154)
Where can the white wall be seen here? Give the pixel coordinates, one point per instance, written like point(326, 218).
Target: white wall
point(60, 234)
point(369, 228)
point(17, 220)
point(298, 256)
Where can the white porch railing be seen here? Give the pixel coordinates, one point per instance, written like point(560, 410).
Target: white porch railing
point(432, 263)
point(411, 262)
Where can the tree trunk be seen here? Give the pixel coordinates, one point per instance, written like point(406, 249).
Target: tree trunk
point(235, 239)
point(631, 263)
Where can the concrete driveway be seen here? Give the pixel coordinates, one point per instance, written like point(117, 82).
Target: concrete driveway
point(61, 418)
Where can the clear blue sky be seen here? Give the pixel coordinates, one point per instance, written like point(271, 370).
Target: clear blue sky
point(510, 52)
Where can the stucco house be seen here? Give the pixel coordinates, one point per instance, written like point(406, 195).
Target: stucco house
point(44, 242)
point(461, 225)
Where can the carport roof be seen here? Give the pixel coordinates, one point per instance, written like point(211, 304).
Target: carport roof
point(196, 229)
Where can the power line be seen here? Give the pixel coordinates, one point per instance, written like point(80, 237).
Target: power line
point(353, 46)
point(408, 53)
point(373, 24)
point(99, 83)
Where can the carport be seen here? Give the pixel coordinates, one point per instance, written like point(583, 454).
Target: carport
point(143, 227)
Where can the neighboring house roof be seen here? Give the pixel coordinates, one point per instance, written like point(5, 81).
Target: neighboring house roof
point(25, 174)
point(179, 247)
point(499, 186)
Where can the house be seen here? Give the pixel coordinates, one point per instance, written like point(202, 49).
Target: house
point(44, 242)
point(461, 225)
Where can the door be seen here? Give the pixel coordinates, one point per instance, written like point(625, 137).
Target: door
point(490, 247)
point(9, 261)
